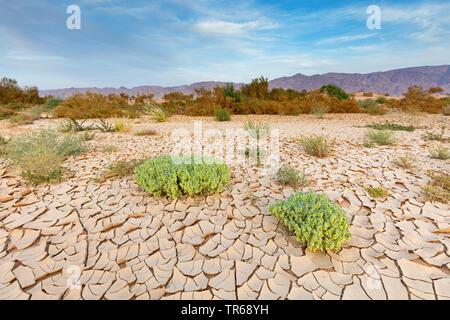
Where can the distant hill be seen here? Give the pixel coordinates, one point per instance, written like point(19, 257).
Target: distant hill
point(394, 82)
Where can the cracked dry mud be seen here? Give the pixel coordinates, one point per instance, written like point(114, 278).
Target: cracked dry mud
point(81, 239)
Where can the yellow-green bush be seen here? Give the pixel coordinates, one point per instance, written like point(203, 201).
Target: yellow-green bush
point(177, 175)
point(315, 220)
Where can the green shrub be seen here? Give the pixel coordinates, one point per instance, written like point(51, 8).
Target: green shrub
point(315, 220)
point(52, 103)
point(390, 126)
point(439, 152)
point(158, 114)
point(365, 104)
point(318, 146)
point(257, 130)
point(72, 125)
point(104, 126)
point(287, 175)
point(382, 100)
point(380, 137)
point(122, 125)
point(377, 192)
point(377, 110)
point(438, 188)
point(119, 169)
point(27, 116)
point(407, 161)
point(334, 91)
point(40, 154)
point(435, 136)
point(222, 114)
point(176, 175)
point(3, 143)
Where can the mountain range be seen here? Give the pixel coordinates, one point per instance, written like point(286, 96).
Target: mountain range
point(395, 82)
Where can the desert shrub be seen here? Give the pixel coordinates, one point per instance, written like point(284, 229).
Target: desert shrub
point(27, 116)
point(334, 91)
point(119, 169)
point(146, 132)
point(109, 148)
point(377, 110)
point(368, 94)
point(95, 105)
point(122, 125)
point(158, 114)
point(390, 126)
point(3, 143)
point(438, 188)
point(40, 154)
point(104, 126)
point(407, 161)
point(377, 192)
point(315, 220)
point(319, 111)
point(72, 125)
point(439, 152)
point(315, 145)
point(382, 100)
point(365, 104)
point(435, 136)
point(446, 110)
point(380, 137)
point(287, 175)
point(52, 103)
point(257, 130)
point(222, 115)
point(6, 112)
point(177, 175)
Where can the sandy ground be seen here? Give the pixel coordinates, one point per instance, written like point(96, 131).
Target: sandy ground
point(83, 239)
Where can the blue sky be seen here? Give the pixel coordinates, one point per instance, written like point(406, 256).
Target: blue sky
point(172, 42)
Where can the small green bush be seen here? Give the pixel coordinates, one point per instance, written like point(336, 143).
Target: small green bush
point(287, 175)
point(315, 220)
point(334, 91)
point(439, 152)
point(119, 169)
point(365, 104)
point(40, 154)
point(377, 192)
point(377, 110)
point(435, 136)
point(407, 161)
point(315, 145)
point(438, 188)
point(390, 126)
point(177, 175)
point(72, 125)
point(104, 126)
point(257, 130)
point(382, 100)
point(380, 137)
point(222, 115)
point(158, 114)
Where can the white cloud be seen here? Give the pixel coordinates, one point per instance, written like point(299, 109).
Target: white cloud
point(346, 38)
point(233, 28)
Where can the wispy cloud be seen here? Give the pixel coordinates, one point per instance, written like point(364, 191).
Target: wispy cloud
point(347, 38)
point(233, 28)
